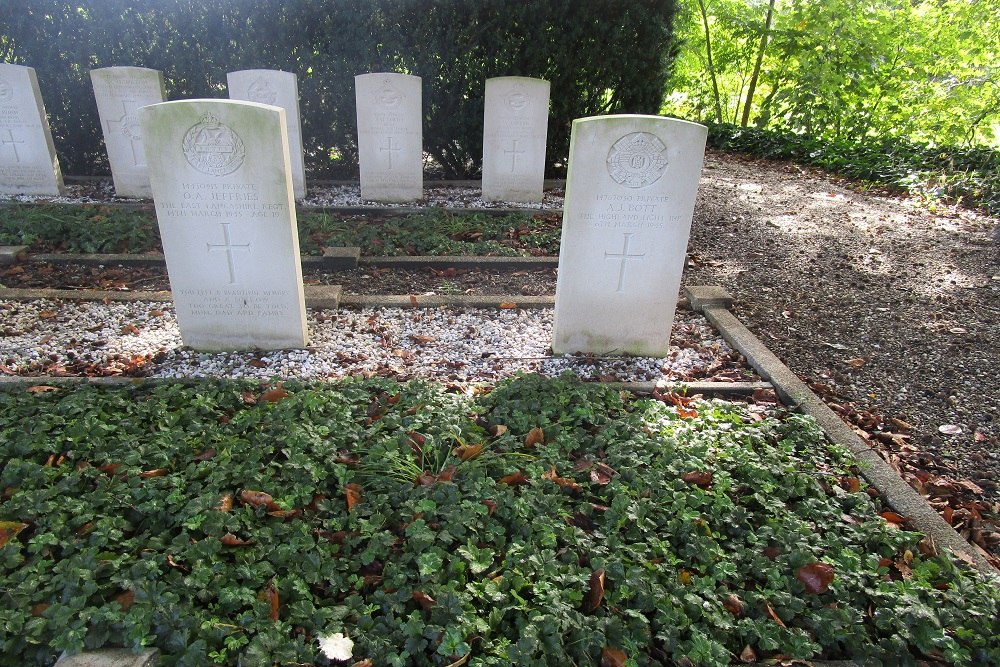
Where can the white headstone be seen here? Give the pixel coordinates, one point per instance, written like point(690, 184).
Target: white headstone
point(390, 137)
point(120, 92)
point(222, 186)
point(28, 162)
point(630, 194)
point(515, 125)
point(281, 89)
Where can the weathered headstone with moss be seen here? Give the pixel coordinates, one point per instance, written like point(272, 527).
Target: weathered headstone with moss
point(120, 93)
point(222, 184)
point(28, 162)
point(515, 126)
point(280, 89)
point(630, 194)
point(390, 137)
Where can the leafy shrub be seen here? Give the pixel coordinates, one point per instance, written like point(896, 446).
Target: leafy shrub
point(79, 229)
point(546, 523)
point(607, 56)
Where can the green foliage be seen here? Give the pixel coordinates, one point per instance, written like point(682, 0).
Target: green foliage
point(965, 175)
point(608, 56)
point(79, 229)
point(846, 70)
point(113, 229)
point(434, 233)
point(127, 537)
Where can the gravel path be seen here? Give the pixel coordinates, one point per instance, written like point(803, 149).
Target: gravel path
point(891, 309)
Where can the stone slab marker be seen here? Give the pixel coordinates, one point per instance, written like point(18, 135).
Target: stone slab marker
point(120, 92)
point(222, 186)
point(515, 126)
point(390, 137)
point(28, 162)
point(281, 89)
point(630, 194)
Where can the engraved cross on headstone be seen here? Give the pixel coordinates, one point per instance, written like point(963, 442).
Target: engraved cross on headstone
point(623, 257)
point(130, 128)
point(229, 248)
point(390, 149)
point(513, 153)
point(12, 142)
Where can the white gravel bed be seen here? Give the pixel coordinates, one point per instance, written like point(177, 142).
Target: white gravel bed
point(333, 196)
point(445, 344)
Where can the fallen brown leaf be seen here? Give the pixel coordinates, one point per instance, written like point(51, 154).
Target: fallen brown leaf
point(231, 540)
point(536, 436)
point(816, 577)
point(613, 657)
point(353, 493)
point(595, 592)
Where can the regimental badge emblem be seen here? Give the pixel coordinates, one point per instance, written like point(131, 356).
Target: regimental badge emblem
point(388, 96)
point(6, 91)
point(261, 91)
point(516, 99)
point(637, 160)
point(213, 148)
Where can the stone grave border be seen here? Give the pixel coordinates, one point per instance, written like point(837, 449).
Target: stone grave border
point(715, 303)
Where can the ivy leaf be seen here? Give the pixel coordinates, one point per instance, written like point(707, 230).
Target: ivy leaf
point(816, 577)
point(595, 593)
point(480, 560)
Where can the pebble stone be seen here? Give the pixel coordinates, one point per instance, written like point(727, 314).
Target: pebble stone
point(446, 344)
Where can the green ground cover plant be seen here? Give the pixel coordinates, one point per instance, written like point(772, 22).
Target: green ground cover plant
point(545, 522)
point(111, 229)
point(935, 173)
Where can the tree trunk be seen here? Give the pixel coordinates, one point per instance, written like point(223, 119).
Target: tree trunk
point(711, 66)
point(756, 68)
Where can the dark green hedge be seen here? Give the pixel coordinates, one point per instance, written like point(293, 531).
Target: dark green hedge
point(602, 56)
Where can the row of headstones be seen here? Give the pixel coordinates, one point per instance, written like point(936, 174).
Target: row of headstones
point(390, 137)
point(221, 180)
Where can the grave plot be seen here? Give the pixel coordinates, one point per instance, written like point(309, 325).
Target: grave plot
point(222, 183)
point(120, 93)
point(28, 161)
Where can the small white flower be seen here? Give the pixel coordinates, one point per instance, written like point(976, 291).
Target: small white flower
point(336, 647)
